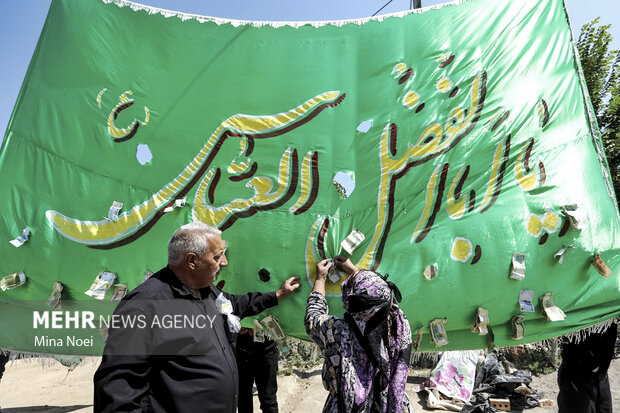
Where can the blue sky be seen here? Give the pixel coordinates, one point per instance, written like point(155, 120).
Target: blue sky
point(21, 22)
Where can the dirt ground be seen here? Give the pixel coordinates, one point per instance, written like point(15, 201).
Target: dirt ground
point(46, 386)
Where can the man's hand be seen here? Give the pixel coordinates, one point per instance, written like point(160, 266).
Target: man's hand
point(288, 286)
point(345, 263)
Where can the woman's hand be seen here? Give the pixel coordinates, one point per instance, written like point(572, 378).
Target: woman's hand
point(345, 263)
point(322, 268)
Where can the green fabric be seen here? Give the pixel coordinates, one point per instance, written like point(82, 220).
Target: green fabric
point(480, 133)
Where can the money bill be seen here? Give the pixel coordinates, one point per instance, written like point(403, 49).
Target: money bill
point(259, 332)
point(518, 266)
point(120, 290)
point(22, 239)
point(12, 281)
point(114, 210)
point(550, 310)
point(101, 285)
point(352, 241)
point(148, 274)
point(601, 267)
point(439, 335)
point(274, 331)
point(575, 216)
point(560, 254)
point(518, 328)
point(482, 321)
point(526, 297)
point(332, 273)
point(178, 203)
point(54, 302)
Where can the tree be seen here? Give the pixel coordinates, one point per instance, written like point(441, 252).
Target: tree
point(601, 69)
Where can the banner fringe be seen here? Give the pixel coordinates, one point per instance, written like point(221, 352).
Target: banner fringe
point(579, 335)
point(294, 24)
point(550, 343)
point(426, 357)
point(48, 360)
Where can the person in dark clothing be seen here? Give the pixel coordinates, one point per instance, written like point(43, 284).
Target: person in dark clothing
point(582, 376)
point(171, 349)
point(257, 363)
point(4, 358)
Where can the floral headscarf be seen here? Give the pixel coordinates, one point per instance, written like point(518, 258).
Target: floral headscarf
point(375, 354)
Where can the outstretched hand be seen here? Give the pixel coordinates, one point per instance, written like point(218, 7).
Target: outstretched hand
point(288, 286)
point(345, 263)
point(322, 268)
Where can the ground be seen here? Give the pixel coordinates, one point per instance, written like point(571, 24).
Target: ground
point(45, 386)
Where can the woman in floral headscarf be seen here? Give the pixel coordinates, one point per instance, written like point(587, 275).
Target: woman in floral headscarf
point(367, 352)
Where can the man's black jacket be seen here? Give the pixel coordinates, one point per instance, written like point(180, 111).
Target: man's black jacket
point(168, 351)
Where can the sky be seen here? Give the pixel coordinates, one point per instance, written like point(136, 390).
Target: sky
point(21, 22)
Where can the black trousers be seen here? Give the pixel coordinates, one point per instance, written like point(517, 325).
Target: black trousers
point(257, 363)
point(583, 393)
point(4, 358)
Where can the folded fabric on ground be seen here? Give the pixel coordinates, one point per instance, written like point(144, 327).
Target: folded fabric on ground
point(498, 379)
point(469, 382)
point(455, 374)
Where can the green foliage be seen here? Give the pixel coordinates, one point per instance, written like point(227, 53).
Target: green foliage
point(538, 359)
point(302, 356)
point(601, 68)
point(599, 63)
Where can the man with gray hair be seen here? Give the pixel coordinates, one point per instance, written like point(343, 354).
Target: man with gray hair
point(182, 359)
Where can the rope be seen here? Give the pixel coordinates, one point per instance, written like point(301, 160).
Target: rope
point(381, 8)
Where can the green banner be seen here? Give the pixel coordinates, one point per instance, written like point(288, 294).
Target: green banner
point(453, 148)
